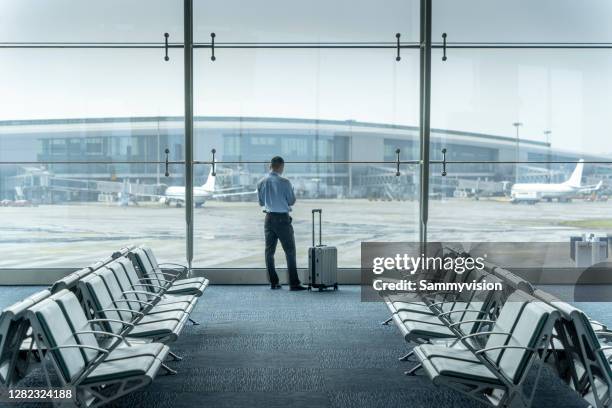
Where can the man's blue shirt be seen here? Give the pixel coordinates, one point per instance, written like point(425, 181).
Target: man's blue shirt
point(275, 193)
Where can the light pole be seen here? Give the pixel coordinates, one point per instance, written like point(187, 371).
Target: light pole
point(517, 125)
point(547, 133)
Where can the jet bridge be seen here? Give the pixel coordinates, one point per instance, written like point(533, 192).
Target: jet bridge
point(382, 183)
point(42, 186)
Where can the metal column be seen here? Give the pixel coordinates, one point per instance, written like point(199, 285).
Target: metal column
point(188, 67)
point(425, 105)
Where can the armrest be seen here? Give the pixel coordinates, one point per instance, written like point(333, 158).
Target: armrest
point(410, 303)
point(458, 311)
point(112, 309)
point(485, 333)
point(105, 333)
point(173, 275)
point(173, 264)
point(503, 348)
point(100, 320)
point(180, 270)
point(81, 346)
point(141, 302)
point(470, 321)
point(143, 292)
point(156, 279)
point(443, 303)
point(146, 285)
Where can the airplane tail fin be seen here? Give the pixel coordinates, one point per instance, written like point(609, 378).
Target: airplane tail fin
point(576, 177)
point(210, 182)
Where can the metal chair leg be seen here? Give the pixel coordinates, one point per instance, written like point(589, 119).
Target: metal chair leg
point(174, 356)
point(193, 322)
point(413, 370)
point(386, 322)
point(169, 371)
point(406, 357)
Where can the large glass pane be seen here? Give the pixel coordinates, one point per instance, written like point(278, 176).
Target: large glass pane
point(306, 104)
point(537, 235)
point(309, 21)
point(325, 112)
point(482, 98)
point(89, 83)
point(465, 206)
point(98, 106)
point(90, 21)
point(71, 217)
point(522, 20)
point(365, 202)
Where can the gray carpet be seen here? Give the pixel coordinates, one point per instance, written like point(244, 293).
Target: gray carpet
point(262, 348)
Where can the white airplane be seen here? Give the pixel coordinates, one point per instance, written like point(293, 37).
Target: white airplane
point(531, 193)
point(176, 194)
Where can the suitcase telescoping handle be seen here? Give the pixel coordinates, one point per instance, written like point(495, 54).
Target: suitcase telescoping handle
point(320, 211)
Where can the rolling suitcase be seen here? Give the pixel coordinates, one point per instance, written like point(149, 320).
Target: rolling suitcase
point(322, 261)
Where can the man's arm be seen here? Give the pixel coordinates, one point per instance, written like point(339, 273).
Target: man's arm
point(260, 194)
point(290, 194)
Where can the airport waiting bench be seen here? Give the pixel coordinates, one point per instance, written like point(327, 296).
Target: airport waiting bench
point(16, 345)
point(485, 344)
point(582, 352)
point(104, 330)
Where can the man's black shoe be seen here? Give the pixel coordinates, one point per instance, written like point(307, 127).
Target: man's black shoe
point(298, 288)
point(277, 286)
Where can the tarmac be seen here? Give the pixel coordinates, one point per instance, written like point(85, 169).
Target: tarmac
point(230, 234)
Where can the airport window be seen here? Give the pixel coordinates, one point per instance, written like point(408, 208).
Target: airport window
point(74, 147)
point(332, 97)
point(324, 149)
point(275, 21)
point(231, 145)
point(294, 147)
point(44, 146)
point(74, 21)
point(261, 140)
point(58, 147)
point(495, 22)
point(530, 115)
point(319, 108)
point(136, 124)
point(95, 146)
point(88, 104)
point(307, 92)
point(126, 146)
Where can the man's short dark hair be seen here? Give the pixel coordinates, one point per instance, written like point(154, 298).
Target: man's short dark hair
point(276, 162)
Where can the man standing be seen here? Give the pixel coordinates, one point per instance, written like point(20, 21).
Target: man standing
point(276, 196)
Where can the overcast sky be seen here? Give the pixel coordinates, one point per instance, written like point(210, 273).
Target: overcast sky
point(566, 91)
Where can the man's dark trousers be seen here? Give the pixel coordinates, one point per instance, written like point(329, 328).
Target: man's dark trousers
point(278, 227)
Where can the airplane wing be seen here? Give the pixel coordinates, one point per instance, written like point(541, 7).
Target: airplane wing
point(588, 189)
point(222, 190)
point(242, 193)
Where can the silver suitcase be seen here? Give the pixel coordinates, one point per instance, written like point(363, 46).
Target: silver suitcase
point(322, 261)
